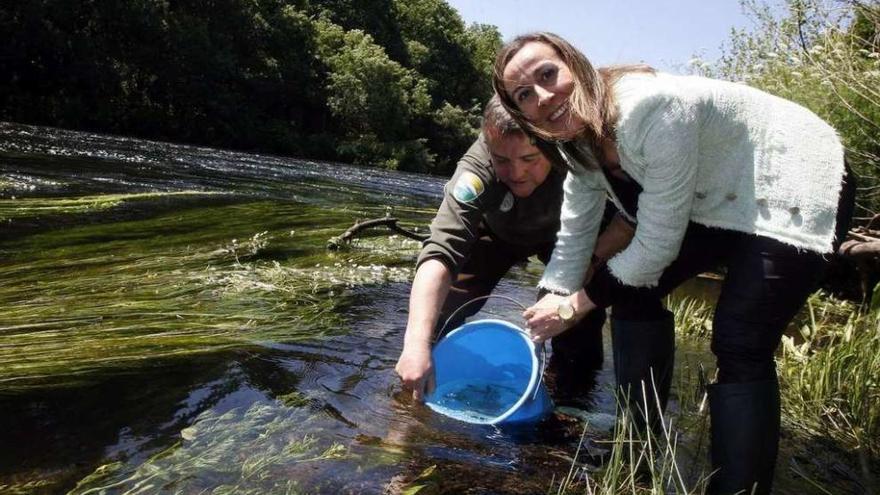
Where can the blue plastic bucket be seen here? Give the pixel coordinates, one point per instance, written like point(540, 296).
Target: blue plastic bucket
point(489, 372)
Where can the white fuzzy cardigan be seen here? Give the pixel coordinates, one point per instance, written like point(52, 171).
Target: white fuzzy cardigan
point(716, 153)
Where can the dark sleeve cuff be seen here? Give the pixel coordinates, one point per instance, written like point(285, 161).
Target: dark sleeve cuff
point(601, 287)
point(604, 289)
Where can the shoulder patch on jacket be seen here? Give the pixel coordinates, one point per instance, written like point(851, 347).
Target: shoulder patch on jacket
point(468, 187)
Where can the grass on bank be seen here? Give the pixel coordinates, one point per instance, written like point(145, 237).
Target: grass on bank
point(830, 376)
point(830, 386)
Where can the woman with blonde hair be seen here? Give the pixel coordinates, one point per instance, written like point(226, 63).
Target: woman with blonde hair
point(715, 174)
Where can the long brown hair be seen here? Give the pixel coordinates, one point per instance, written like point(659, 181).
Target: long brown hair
point(592, 98)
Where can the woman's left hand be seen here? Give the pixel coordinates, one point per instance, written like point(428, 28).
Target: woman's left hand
point(543, 320)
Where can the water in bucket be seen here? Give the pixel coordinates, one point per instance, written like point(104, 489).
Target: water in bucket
point(488, 372)
point(481, 400)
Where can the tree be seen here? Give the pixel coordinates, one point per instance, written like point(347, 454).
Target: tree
point(378, 18)
point(385, 82)
point(440, 47)
point(823, 55)
point(373, 97)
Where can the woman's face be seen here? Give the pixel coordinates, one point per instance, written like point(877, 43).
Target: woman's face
point(540, 84)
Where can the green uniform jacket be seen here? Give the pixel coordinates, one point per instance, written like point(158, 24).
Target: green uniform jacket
point(475, 203)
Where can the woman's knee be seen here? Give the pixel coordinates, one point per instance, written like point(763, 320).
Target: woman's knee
point(739, 368)
point(744, 348)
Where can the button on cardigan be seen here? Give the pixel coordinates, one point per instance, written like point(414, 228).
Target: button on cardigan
point(716, 153)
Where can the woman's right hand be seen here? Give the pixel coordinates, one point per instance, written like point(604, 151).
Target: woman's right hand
point(416, 370)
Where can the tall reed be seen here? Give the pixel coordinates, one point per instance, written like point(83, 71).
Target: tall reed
point(830, 375)
point(829, 369)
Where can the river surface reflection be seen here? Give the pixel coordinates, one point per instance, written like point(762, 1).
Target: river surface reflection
point(171, 322)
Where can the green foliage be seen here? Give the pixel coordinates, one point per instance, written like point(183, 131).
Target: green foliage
point(403, 155)
point(486, 41)
point(830, 374)
point(450, 51)
point(373, 98)
point(451, 61)
point(455, 129)
point(458, 60)
point(371, 82)
point(378, 18)
point(824, 56)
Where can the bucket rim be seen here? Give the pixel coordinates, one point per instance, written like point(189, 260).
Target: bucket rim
point(534, 378)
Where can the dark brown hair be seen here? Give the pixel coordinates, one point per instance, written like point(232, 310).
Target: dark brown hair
point(497, 121)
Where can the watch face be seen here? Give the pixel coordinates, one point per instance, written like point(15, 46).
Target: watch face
point(565, 310)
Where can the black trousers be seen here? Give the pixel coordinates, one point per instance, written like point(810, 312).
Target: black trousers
point(766, 283)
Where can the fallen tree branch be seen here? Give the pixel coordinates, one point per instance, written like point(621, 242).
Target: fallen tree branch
point(858, 236)
point(862, 248)
point(390, 223)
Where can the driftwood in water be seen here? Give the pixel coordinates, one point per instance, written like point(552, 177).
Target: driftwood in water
point(387, 222)
point(862, 248)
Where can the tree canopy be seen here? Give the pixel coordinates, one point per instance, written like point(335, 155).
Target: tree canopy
point(824, 55)
point(391, 83)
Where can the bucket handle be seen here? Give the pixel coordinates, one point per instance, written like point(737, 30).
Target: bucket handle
point(543, 347)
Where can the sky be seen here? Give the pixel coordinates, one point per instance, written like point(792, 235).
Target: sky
point(663, 33)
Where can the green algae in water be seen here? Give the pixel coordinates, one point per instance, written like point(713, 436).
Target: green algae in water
point(81, 301)
point(294, 399)
point(255, 449)
point(11, 209)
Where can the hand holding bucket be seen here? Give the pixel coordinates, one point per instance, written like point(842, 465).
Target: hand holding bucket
point(489, 372)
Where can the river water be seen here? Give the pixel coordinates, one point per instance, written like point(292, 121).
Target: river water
point(172, 322)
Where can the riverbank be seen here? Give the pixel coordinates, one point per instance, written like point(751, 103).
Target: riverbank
point(828, 367)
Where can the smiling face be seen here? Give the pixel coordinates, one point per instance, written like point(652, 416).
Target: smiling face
point(518, 163)
point(540, 84)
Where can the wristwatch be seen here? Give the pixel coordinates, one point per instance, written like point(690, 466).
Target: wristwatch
point(565, 311)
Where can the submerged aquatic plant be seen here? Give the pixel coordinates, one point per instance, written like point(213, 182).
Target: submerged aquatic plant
point(36, 208)
point(255, 449)
point(81, 301)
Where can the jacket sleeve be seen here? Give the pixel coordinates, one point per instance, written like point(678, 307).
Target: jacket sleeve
point(582, 207)
point(662, 133)
point(456, 225)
